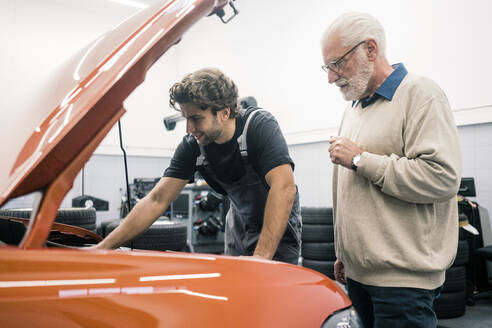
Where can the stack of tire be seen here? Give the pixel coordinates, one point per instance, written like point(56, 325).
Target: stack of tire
point(79, 217)
point(452, 301)
point(163, 235)
point(318, 248)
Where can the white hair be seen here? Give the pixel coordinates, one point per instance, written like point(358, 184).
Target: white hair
point(354, 27)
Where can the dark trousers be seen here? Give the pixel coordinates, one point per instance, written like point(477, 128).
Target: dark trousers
point(288, 252)
point(383, 307)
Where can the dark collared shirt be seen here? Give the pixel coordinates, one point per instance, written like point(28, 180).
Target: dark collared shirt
point(388, 88)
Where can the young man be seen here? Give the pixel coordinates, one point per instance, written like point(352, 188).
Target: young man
point(396, 176)
point(241, 154)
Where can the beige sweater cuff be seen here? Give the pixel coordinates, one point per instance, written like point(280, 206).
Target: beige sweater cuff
point(372, 166)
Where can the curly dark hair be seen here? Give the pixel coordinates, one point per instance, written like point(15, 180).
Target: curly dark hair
point(206, 88)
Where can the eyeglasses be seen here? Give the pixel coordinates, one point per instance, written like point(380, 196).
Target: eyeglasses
point(337, 65)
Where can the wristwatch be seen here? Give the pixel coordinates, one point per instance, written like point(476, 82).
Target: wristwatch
point(355, 162)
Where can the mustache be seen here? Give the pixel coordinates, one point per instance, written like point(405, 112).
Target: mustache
point(341, 82)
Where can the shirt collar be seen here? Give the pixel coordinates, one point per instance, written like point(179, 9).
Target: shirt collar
point(388, 88)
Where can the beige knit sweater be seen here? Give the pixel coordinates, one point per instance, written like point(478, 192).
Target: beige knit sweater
point(396, 218)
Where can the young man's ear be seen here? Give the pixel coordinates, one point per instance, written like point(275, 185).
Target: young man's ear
point(225, 113)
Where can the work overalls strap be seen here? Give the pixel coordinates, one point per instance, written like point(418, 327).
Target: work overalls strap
point(248, 197)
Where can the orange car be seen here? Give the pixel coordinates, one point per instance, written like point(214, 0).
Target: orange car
point(43, 286)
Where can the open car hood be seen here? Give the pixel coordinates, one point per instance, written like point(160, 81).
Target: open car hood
point(82, 102)
point(87, 92)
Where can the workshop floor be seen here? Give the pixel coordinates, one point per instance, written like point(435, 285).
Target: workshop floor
point(477, 316)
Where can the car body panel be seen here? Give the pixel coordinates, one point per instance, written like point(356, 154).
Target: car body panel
point(78, 288)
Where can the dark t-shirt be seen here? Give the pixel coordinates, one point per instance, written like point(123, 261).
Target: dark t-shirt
point(267, 149)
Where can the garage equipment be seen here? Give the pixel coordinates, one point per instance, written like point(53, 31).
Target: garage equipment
point(203, 211)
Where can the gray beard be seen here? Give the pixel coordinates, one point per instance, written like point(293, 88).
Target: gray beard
point(357, 84)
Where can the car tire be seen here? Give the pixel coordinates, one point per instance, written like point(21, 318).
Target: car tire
point(161, 236)
point(455, 279)
point(318, 251)
point(102, 227)
point(324, 267)
point(317, 215)
point(462, 253)
point(317, 233)
point(79, 217)
point(450, 305)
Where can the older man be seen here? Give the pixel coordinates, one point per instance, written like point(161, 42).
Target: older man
point(396, 175)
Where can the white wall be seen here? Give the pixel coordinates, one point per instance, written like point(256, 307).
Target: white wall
point(271, 50)
point(37, 35)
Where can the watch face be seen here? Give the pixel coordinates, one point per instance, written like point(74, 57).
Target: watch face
point(356, 160)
